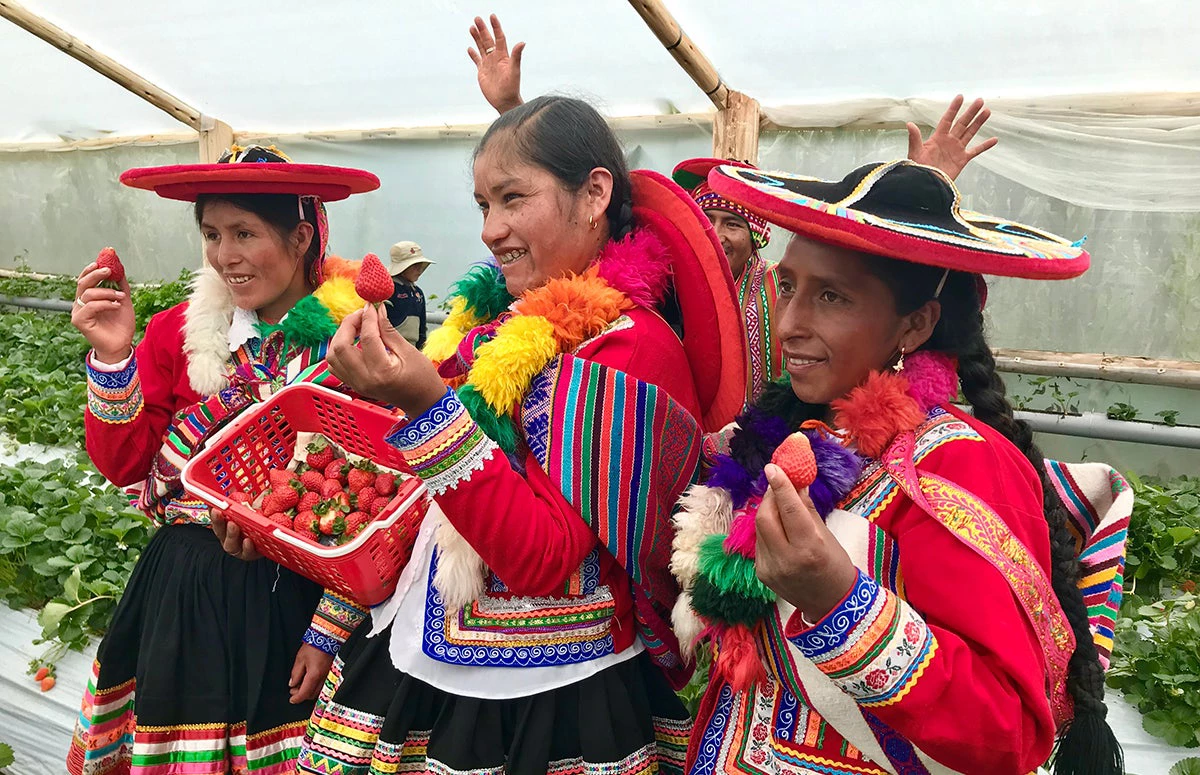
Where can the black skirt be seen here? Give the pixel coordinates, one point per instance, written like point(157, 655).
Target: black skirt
point(372, 718)
point(193, 673)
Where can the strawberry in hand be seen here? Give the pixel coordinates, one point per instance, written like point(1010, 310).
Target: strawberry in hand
point(373, 283)
point(109, 260)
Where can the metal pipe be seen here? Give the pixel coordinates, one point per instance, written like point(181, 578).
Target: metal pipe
point(1093, 425)
point(50, 305)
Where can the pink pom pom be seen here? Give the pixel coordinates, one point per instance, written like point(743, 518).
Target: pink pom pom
point(932, 378)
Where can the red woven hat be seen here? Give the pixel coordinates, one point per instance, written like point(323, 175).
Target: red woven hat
point(692, 174)
point(712, 324)
point(252, 170)
point(901, 210)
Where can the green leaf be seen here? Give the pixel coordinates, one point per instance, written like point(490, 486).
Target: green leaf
point(1188, 766)
point(51, 614)
point(71, 585)
point(1181, 533)
point(6, 755)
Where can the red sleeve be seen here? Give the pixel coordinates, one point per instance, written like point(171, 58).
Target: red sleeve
point(129, 411)
point(953, 666)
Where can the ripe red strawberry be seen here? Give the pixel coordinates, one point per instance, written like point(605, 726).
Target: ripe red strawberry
point(312, 480)
point(280, 518)
point(795, 457)
point(340, 501)
point(334, 469)
point(109, 260)
point(308, 500)
point(385, 483)
point(240, 496)
point(332, 523)
point(274, 501)
point(320, 454)
point(364, 498)
point(305, 523)
point(47, 683)
point(355, 521)
point(359, 478)
point(377, 506)
point(330, 488)
point(41, 673)
point(373, 283)
point(280, 477)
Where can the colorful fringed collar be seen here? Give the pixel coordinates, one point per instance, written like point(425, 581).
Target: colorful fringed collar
point(725, 590)
point(492, 346)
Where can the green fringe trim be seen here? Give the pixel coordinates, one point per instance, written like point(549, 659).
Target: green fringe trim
point(731, 572)
point(499, 428)
point(309, 323)
point(730, 607)
point(484, 291)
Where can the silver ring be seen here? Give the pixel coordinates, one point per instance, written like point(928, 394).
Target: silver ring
point(490, 50)
point(79, 302)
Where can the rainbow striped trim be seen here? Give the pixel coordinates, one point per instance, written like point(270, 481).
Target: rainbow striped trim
point(873, 645)
point(335, 619)
point(444, 445)
point(115, 397)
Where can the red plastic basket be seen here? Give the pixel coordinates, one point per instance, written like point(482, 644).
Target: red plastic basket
point(263, 437)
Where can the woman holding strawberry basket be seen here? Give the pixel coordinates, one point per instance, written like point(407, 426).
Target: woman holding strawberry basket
point(210, 663)
point(530, 632)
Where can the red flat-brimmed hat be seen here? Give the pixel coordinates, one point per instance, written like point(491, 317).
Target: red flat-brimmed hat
point(712, 322)
point(251, 170)
point(901, 210)
point(692, 174)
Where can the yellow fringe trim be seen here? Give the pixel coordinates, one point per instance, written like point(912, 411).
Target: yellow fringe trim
point(505, 366)
point(339, 297)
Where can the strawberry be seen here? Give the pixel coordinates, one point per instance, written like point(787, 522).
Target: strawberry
point(364, 498)
point(47, 683)
point(359, 478)
point(355, 521)
point(332, 523)
point(373, 283)
point(340, 501)
point(320, 454)
point(240, 496)
point(281, 519)
point(109, 260)
point(312, 480)
point(330, 488)
point(385, 483)
point(335, 469)
point(280, 499)
point(305, 523)
point(308, 500)
point(280, 477)
point(795, 457)
point(41, 673)
point(377, 506)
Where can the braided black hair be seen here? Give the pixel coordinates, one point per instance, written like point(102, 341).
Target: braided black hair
point(1086, 744)
point(568, 138)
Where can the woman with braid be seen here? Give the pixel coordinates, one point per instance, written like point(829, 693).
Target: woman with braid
point(917, 607)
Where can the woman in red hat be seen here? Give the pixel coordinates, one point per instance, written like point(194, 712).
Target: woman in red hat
point(210, 664)
point(917, 606)
point(530, 633)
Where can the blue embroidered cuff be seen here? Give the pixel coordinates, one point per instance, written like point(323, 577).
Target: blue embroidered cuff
point(444, 446)
point(114, 397)
point(327, 643)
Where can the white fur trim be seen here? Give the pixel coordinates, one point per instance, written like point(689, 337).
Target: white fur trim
point(460, 570)
point(686, 624)
point(206, 332)
point(703, 511)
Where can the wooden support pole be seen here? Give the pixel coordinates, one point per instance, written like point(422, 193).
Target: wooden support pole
point(106, 66)
point(735, 131)
point(215, 137)
point(662, 23)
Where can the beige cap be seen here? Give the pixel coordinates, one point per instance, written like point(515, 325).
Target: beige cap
point(404, 255)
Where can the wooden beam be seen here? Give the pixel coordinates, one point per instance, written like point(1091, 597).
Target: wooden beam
point(215, 137)
point(106, 66)
point(735, 130)
point(662, 23)
point(1110, 368)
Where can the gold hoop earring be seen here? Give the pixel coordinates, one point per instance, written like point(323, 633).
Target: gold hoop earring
point(899, 365)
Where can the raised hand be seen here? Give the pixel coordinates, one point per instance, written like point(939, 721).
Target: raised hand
point(795, 554)
point(103, 315)
point(946, 148)
point(383, 365)
point(499, 71)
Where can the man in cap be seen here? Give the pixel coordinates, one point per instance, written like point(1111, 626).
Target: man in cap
point(407, 309)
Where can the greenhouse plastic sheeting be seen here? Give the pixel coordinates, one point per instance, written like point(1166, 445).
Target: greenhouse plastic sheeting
point(38, 725)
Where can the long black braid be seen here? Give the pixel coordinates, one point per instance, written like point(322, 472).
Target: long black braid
point(1086, 745)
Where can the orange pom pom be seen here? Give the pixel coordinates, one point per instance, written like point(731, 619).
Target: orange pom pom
point(577, 310)
point(875, 412)
point(737, 661)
